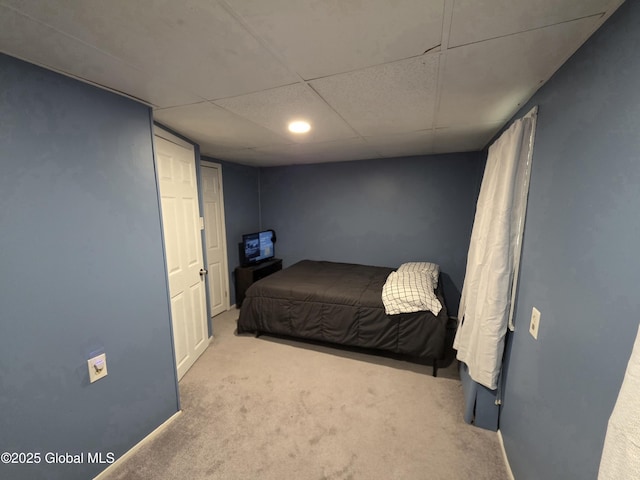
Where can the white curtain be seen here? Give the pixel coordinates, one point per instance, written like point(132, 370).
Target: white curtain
point(494, 253)
point(621, 452)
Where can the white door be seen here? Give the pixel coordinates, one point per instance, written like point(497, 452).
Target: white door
point(181, 221)
point(211, 182)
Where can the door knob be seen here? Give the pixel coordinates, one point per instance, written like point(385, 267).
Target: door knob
point(203, 272)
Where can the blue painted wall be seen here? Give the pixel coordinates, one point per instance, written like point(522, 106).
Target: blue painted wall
point(81, 269)
point(376, 212)
point(241, 186)
point(580, 264)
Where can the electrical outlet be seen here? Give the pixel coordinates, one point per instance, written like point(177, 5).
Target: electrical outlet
point(535, 323)
point(97, 367)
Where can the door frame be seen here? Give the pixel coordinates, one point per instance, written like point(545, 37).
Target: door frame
point(162, 132)
point(159, 130)
point(156, 130)
point(227, 300)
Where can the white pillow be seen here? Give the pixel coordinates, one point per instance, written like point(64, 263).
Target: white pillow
point(425, 267)
point(407, 292)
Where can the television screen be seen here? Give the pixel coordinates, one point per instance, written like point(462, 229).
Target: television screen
point(258, 246)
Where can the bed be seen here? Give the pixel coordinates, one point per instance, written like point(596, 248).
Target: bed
point(341, 303)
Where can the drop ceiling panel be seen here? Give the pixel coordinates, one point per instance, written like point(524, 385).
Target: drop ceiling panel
point(322, 37)
point(476, 20)
point(339, 151)
point(487, 82)
point(385, 99)
point(197, 45)
point(464, 139)
point(247, 156)
point(26, 38)
point(221, 129)
point(357, 70)
point(403, 144)
point(216, 150)
point(274, 109)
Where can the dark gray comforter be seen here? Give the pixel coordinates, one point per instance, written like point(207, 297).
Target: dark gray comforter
point(339, 303)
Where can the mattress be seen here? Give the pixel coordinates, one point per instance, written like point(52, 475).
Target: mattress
point(340, 303)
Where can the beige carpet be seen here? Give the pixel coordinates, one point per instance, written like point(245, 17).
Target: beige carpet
point(267, 408)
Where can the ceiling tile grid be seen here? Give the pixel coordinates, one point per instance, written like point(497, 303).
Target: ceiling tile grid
point(487, 82)
point(205, 120)
point(335, 151)
point(384, 99)
point(317, 38)
point(463, 139)
point(375, 78)
point(31, 40)
point(403, 144)
point(274, 109)
point(196, 44)
point(476, 21)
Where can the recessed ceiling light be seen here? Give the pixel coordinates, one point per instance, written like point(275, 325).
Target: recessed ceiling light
point(299, 127)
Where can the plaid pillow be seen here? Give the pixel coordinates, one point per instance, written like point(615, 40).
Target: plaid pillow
point(407, 292)
point(427, 267)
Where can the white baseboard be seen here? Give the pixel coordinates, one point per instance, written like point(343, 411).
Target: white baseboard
point(102, 475)
point(504, 456)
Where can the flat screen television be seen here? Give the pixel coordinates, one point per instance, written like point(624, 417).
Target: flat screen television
point(257, 247)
